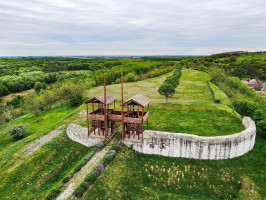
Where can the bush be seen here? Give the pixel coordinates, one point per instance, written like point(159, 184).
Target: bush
point(53, 194)
point(38, 86)
point(84, 185)
point(117, 81)
point(78, 168)
point(99, 169)
point(18, 131)
point(16, 102)
point(91, 178)
point(65, 180)
point(217, 100)
point(109, 157)
point(88, 157)
point(116, 147)
point(79, 192)
point(100, 145)
point(131, 77)
point(76, 100)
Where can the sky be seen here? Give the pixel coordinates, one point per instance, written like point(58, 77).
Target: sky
point(131, 27)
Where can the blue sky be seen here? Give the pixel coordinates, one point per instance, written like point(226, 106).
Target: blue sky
point(131, 27)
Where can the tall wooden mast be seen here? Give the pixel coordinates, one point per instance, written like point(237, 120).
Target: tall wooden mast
point(122, 99)
point(105, 114)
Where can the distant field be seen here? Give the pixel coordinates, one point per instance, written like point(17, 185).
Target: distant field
point(255, 56)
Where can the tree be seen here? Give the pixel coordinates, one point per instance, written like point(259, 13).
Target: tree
point(131, 77)
point(167, 90)
point(18, 131)
point(38, 86)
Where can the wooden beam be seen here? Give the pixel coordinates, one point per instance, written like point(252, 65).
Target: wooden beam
point(123, 125)
point(142, 124)
point(105, 114)
point(88, 125)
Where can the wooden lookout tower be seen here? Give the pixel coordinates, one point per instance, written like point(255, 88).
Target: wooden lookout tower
point(135, 114)
point(99, 115)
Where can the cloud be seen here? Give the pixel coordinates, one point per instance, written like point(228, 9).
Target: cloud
point(151, 27)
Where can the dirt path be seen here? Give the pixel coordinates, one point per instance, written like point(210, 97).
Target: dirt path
point(82, 174)
point(35, 145)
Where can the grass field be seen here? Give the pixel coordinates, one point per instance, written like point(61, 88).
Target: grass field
point(255, 56)
point(191, 109)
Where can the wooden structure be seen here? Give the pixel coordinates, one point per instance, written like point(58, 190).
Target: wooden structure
point(132, 118)
point(99, 114)
point(135, 115)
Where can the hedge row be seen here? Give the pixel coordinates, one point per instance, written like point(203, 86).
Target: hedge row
point(215, 92)
point(54, 193)
point(171, 82)
point(98, 170)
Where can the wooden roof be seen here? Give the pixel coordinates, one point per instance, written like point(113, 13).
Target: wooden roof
point(100, 99)
point(139, 99)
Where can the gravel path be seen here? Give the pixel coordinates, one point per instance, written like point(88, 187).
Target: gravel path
point(82, 174)
point(35, 145)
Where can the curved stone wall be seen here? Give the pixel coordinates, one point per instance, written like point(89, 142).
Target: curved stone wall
point(80, 134)
point(198, 147)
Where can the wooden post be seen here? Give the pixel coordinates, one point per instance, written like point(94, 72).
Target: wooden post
point(105, 114)
point(88, 125)
point(138, 126)
point(142, 124)
point(148, 118)
point(123, 125)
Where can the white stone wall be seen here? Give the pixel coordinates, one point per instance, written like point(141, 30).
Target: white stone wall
point(198, 147)
point(80, 134)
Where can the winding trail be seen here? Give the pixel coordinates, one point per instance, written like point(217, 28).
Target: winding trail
point(82, 174)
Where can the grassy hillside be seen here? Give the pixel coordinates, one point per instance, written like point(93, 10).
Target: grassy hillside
point(191, 110)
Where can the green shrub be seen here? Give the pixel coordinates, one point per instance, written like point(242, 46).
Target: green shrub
point(117, 81)
point(116, 147)
point(88, 157)
point(79, 192)
point(18, 131)
point(38, 86)
point(16, 102)
point(100, 145)
point(99, 169)
point(84, 185)
point(131, 77)
point(78, 168)
point(65, 180)
point(53, 194)
point(76, 100)
point(109, 157)
point(91, 178)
